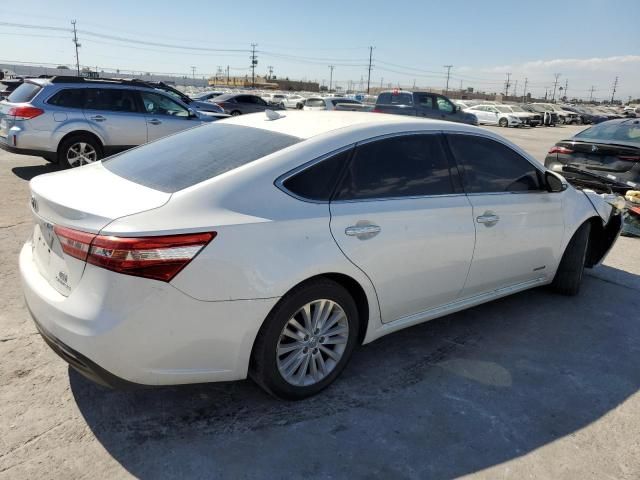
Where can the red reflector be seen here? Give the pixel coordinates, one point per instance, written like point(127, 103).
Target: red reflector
point(557, 149)
point(159, 258)
point(633, 158)
point(25, 113)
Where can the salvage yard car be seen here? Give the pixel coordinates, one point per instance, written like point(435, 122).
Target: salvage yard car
point(501, 115)
point(271, 246)
point(422, 104)
point(74, 121)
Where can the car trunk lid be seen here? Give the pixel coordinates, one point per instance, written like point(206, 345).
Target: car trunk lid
point(83, 200)
point(603, 157)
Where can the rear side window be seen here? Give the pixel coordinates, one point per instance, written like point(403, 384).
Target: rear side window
point(319, 180)
point(24, 93)
point(412, 165)
point(111, 99)
point(68, 98)
point(195, 155)
point(491, 167)
point(424, 100)
point(389, 98)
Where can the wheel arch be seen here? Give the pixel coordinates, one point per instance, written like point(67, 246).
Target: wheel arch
point(601, 238)
point(75, 133)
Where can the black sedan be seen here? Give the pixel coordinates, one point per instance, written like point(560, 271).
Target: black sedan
point(604, 157)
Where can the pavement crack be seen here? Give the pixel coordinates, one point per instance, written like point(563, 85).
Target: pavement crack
point(13, 225)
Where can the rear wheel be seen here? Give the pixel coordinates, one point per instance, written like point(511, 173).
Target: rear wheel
point(235, 113)
point(306, 340)
point(79, 150)
point(569, 275)
point(503, 122)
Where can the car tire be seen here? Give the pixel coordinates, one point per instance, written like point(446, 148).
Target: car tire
point(569, 274)
point(299, 106)
point(86, 148)
point(503, 122)
point(277, 373)
point(235, 113)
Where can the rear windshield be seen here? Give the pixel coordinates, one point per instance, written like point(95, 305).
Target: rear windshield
point(24, 93)
point(626, 131)
point(193, 156)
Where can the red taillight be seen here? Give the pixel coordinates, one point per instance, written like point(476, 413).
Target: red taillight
point(632, 158)
point(557, 149)
point(25, 113)
point(159, 258)
point(376, 110)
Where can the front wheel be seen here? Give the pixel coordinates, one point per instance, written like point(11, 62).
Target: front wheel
point(503, 122)
point(235, 113)
point(569, 274)
point(306, 341)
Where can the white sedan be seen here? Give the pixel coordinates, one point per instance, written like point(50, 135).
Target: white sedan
point(330, 103)
point(294, 101)
point(495, 115)
point(273, 246)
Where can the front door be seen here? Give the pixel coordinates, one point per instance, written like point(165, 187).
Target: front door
point(400, 216)
point(165, 116)
point(519, 225)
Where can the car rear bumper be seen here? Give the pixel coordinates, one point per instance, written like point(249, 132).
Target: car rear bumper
point(121, 330)
point(27, 142)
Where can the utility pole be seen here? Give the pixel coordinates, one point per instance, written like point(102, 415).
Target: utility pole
point(566, 87)
point(369, 75)
point(254, 62)
point(270, 68)
point(555, 85)
point(507, 84)
point(193, 73)
point(448, 67)
point(461, 85)
point(331, 67)
point(75, 41)
point(615, 85)
point(524, 93)
point(591, 93)
point(515, 89)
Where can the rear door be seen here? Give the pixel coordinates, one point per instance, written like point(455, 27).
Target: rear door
point(400, 216)
point(519, 225)
point(164, 116)
point(113, 113)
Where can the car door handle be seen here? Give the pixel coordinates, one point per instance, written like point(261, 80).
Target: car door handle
point(98, 118)
point(154, 121)
point(489, 219)
point(362, 232)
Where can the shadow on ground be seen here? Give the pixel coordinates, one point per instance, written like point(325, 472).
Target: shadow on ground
point(440, 400)
point(28, 172)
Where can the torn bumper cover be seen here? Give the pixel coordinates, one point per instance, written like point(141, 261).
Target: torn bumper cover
point(604, 235)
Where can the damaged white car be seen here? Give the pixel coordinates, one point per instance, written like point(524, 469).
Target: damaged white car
point(273, 246)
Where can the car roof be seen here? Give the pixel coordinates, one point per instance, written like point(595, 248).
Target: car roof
point(307, 124)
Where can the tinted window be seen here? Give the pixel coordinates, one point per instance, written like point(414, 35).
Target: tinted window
point(490, 166)
point(69, 98)
point(156, 104)
point(24, 93)
point(411, 165)
point(315, 102)
point(389, 98)
point(344, 100)
point(243, 99)
point(179, 161)
point(628, 131)
point(318, 181)
point(424, 100)
point(111, 99)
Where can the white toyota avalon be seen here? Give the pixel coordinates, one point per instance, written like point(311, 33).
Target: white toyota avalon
point(271, 246)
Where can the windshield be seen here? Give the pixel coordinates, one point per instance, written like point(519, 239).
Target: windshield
point(516, 108)
point(628, 131)
point(193, 156)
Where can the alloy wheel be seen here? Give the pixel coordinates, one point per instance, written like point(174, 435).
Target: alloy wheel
point(81, 153)
point(312, 342)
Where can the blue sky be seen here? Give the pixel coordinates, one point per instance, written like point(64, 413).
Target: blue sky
point(588, 42)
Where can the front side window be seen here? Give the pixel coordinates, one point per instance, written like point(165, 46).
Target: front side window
point(68, 98)
point(318, 181)
point(405, 166)
point(491, 167)
point(110, 99)
point(444, 105)
point(156, 104)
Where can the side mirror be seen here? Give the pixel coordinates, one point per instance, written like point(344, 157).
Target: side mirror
point(554, 183)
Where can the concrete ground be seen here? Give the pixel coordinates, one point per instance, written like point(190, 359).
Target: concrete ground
point(531, 386)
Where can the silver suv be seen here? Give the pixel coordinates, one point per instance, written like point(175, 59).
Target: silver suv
point(75, 120)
